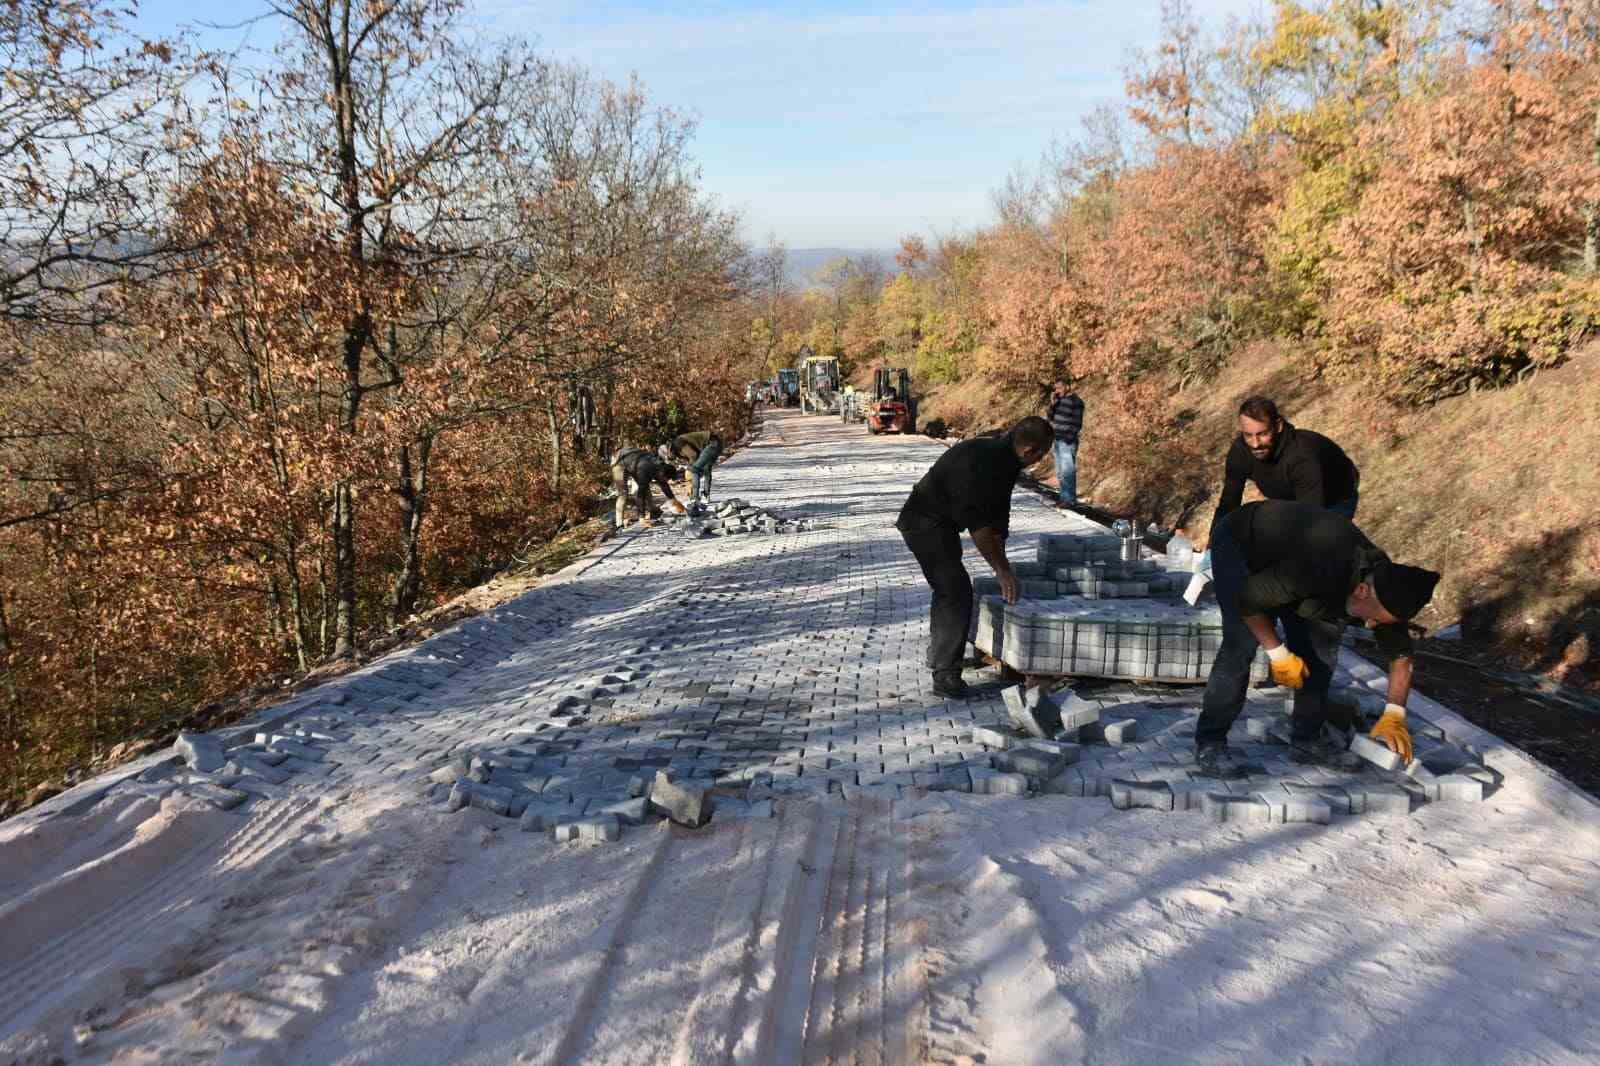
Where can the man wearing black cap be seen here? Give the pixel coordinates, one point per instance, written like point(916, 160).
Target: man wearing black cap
point(968, 488)
point(1279, 558)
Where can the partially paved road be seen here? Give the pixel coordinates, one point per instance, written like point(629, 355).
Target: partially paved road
point(343, 916)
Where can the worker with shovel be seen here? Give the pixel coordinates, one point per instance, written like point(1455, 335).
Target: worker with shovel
point(968, 488)
point(1280, 558)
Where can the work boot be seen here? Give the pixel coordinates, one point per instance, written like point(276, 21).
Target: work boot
point(948, 685)
point(1324, 753)
point(1216, 760)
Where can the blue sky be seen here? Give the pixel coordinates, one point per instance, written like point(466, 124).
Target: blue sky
point(846, 124)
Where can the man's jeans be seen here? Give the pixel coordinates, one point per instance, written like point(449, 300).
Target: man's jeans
point(937, 547)
point(1067, 470)
point(697, 482)
point(1315, 642)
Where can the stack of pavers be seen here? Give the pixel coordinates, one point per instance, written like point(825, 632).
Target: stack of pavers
point(733, 517)
point(1085, 613)
point(1139, 754)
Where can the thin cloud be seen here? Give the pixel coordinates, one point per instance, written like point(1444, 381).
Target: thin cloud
point(864, 104)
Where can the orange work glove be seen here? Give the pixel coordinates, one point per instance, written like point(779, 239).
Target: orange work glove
point(1391, 729)
point(1288, 669)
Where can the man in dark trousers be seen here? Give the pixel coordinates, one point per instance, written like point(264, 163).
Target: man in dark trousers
point(968, 488)
point(1274, 559)
point(1285, 463)
point(1065, 415)
point(700, 451)
point(644, 469)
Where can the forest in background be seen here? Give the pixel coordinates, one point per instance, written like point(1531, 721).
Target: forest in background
point(294, 349)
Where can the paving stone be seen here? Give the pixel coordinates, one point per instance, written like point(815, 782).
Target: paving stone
point(1121, 731)
point(243, 764)
point(201, 751)
point(1424, 778)
point(602, 829)
point(564, 832)
point(291, 747)
point(632, 811)
point(539, 816)
point(1225, 807)
point(490, 798)
point(993, 783)
point(685, 803)
point(1189, 795)
point(1380, 799)
point(1036, 761)
point(1376, 753)
point(991, 738)
point(1032, 711)
point(1156, 795)
point(218, 796)
point(1461, 788)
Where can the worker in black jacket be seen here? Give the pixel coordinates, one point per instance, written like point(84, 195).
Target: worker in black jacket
point(644, 469)
point(1286, 463)
point(968, 488)
point(1275, 559)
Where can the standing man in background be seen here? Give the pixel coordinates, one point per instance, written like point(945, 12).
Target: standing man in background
point(1065, 415)
point(968, 488)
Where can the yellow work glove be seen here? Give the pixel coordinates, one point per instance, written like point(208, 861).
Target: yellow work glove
point(1288, 669)
point(1391, 729)
point(678, 506)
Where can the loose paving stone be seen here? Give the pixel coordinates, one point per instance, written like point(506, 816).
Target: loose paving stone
point(1376, 753)
point(491, 798)
point(1033, 759)
point(684, 803)
point(218, 796)
point(601, 829)
point(200, 751)
point(994, 783)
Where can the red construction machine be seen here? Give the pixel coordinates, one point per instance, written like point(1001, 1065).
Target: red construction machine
point(891, 409)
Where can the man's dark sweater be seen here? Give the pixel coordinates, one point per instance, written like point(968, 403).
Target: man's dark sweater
point(968, 488)
point(1303, 466)
point(1308, 560)
point(644, 468)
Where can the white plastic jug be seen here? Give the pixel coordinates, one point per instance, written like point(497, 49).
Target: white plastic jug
point(1180, 552)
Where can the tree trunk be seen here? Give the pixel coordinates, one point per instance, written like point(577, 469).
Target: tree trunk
point(555, 443)
point(1591, 214)
point(413, 492)
point(344, 496)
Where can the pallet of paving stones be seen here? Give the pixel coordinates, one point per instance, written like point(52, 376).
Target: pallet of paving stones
point(1135, 640)
point(735, 517)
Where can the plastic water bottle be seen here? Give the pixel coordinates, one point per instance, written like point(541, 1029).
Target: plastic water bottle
point(1180, 552)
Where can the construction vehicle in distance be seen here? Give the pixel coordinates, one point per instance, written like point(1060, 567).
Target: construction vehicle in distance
point(819, 384)
point(891, 408)
point(786, 388)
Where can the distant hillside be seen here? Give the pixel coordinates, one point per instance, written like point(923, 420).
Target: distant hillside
point(805, 262)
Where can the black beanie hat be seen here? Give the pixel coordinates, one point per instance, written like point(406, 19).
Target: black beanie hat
point(1403, 590)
